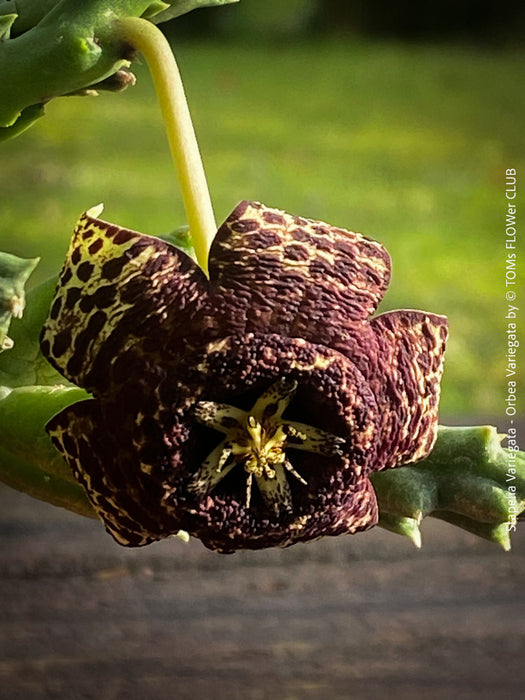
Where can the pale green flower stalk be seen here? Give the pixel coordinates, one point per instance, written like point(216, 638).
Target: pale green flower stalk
point(52, 48)
point(150, 41)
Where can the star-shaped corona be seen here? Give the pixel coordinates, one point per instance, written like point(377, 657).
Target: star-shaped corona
point(248, 408)
point(258, 439)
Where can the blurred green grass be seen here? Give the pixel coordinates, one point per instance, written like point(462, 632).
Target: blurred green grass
point(407, 144)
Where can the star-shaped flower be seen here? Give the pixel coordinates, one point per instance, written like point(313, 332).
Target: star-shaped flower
point(251, 408)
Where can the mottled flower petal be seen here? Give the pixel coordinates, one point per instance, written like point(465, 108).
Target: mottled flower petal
point(109, 469)
point(405, 377)
point(120, 291)
point(350, 506)
point(301, 278)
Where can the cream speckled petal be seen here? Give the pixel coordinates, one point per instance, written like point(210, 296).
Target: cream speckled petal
point(406, 381)
point(120, 292)
point(127, 501)
point(273, 272)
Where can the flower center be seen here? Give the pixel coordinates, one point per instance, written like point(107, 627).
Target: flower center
point(257, 439)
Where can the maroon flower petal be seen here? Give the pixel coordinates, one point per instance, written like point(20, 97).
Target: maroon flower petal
point(120, 463)
point(97, 462)
point(405, 376)
point(284, 274)
point(120, 291)
point(343, 510)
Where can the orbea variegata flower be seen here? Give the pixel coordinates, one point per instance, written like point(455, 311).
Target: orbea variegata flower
point(251, 408)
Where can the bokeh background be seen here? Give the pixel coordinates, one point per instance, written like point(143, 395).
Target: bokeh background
point(385, 118)
point(395, 119)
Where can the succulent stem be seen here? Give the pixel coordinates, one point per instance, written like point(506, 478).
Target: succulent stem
point(468, 480)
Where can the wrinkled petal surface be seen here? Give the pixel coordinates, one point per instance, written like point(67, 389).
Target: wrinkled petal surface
point(277, 273)
point(407, 382)
point(109, 468)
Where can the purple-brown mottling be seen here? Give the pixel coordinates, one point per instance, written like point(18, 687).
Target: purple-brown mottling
point(138, 324)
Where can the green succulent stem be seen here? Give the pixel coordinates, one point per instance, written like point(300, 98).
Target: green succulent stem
point(21, 474)
point(30, 12)
point(468, 480)
point(52, 48)
point(14, 272)
point(72, 47)
point(146, 38)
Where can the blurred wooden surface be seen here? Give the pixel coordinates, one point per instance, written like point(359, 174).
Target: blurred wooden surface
point(354, 617)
